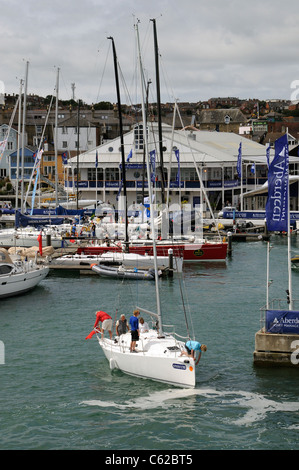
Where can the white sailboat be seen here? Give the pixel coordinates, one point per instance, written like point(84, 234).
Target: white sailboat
point(159, 355)
point(17, 277)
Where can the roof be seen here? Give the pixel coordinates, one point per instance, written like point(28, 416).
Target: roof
point(216, 116)
point(204, 147)
point(73, 122)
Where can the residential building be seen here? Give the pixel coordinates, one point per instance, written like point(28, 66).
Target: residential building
point(10, 146)
point(222, 120)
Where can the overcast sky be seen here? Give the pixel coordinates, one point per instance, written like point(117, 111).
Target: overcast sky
point(247, 49)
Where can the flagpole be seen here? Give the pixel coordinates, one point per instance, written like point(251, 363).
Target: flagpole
point(279, 196)
point(289, 252)
point(241, 185)
point(268, 258)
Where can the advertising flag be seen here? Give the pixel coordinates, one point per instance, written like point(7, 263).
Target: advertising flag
point(64, 158)
point(268, 154)
point(130, 155)
point(239, 162)
point(152, 155)
point(278, 188)
point(97, 161)
point(177, 154)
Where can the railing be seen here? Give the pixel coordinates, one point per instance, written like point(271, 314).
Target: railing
point(279, 305)
point(186, 184)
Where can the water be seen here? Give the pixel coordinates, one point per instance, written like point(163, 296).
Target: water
point(57, 391)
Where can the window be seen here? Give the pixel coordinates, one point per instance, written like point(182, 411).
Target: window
point(91, 174)
point(64, 144)
point(112, 174)
point(188, 174)
point(138, 137)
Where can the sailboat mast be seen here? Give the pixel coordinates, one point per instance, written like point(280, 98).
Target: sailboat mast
point(18, 149)
point(23, 136)
point(78, 150)
point(56, 133)
point(159, 112)
point(123, 163)
point(150, 193)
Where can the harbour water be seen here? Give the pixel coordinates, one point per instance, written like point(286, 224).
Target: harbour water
point(57, 391)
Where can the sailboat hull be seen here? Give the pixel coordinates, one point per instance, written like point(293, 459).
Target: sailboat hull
point(16, 284)
point(187, 251)
point(157, 359)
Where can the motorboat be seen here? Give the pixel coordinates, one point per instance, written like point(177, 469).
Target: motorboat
point(19, 276)
point(28, 237)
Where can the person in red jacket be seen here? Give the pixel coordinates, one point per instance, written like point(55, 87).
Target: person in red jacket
point(106, 321)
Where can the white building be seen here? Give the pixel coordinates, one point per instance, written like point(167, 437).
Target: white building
point(68, 137)
point(212, 155)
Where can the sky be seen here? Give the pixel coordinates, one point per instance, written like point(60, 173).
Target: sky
point(214, 48)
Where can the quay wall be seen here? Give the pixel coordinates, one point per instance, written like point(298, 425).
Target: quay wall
point(276, 349)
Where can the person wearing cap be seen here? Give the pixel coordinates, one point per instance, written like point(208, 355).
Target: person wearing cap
point(134, 324)
point(106, 321)
point(191, 347)
point(122, 325)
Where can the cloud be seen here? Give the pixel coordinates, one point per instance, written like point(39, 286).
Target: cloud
point(215, 48)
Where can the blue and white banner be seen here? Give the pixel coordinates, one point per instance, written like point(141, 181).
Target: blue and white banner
point(177, 154)
point(268, 155)
point(130, 155)
point(282, 321)
point(239, 162)
point(278, 188)
point(152, 156)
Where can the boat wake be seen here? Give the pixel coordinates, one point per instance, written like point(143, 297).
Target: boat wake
point(258, 406)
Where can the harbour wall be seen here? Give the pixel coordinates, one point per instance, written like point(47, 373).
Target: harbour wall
point(276, 349)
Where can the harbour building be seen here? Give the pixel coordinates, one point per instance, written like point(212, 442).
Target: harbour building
point(189, 156)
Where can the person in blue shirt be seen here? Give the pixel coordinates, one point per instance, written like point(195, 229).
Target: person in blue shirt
point(134, 324)
point(192, 347)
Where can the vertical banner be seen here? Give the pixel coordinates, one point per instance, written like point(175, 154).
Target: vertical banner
point(278, 188)
point(178, 176)
point(152, 156)
point(268, 155)
point(239, 162)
